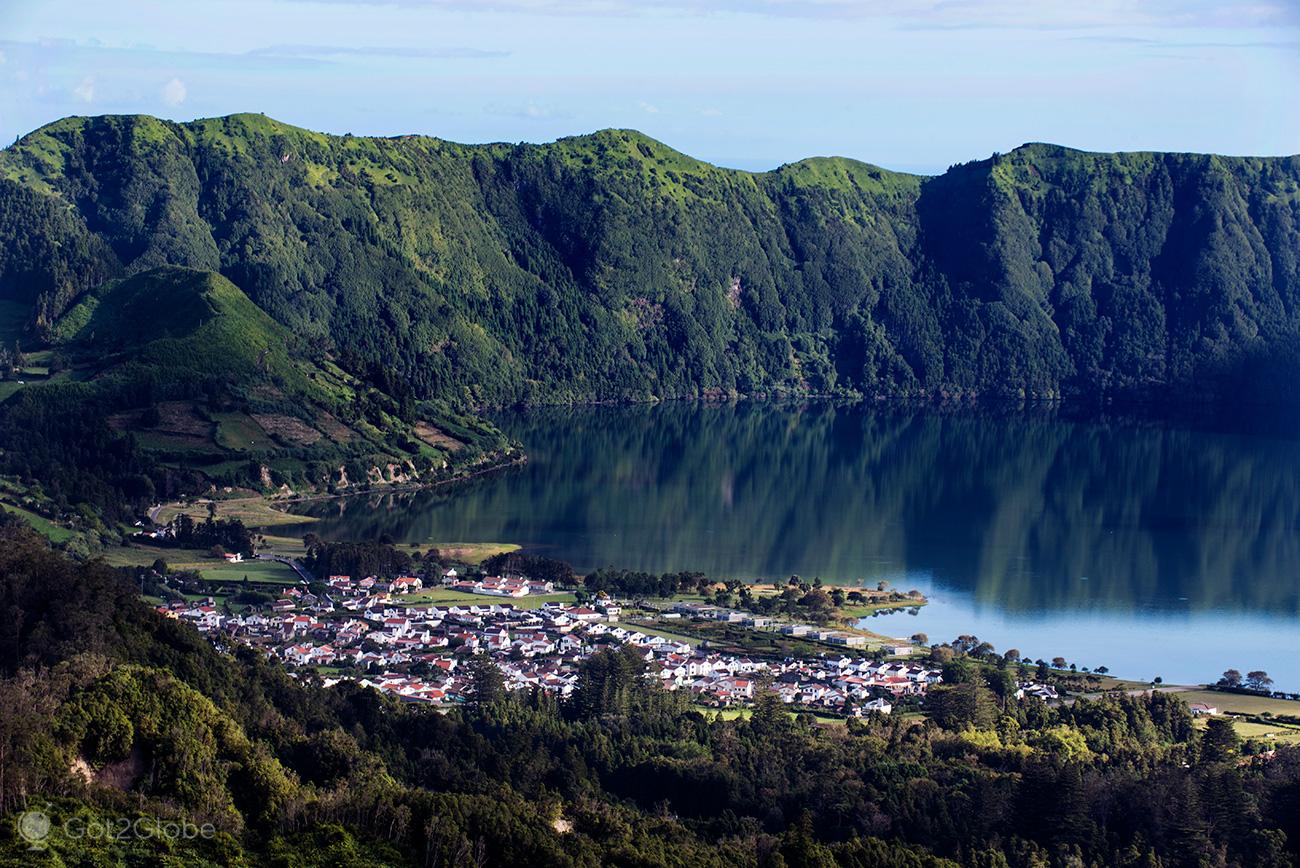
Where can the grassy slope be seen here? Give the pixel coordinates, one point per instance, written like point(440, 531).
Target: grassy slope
point(40, 524)
point(186, 323)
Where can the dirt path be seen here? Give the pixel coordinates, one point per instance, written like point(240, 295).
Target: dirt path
point(1141, 691)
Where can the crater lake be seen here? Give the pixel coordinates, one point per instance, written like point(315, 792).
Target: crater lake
point(1151, 547)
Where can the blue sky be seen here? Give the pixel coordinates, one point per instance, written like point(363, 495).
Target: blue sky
point(909, 84)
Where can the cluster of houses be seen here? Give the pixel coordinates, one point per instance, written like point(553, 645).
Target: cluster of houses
point(373, 587)
point(418, 652)
point(497, 586)
point(1045, 692)
point(835, 683)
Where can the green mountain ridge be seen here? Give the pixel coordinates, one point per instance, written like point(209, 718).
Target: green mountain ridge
point(610, 267)
point(1041, 272)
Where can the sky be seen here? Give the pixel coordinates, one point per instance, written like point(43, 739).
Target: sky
point(914, 85)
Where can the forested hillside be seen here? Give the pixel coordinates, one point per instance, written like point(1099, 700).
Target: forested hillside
point(612, 267)
point(172, 379)
point(399, 284)
point(109, 710)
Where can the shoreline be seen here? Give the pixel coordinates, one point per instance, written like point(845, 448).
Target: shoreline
point(273, 503)
point(402, 487)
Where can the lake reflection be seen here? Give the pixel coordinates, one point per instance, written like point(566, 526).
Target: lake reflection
point(1151, 548)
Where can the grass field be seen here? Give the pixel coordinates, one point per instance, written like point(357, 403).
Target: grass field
point(869, 609)
point(46, 528)
point(239, 432)
point(735, 713)
point(283, 544)
point(1267, 731)
point(270, 572)
point(143, 556)
point(1110, 682)
point(449, 597)
point(466, 553)
point(254, 511)
point(462, 553)
point(1237, 703)
point(263, 514)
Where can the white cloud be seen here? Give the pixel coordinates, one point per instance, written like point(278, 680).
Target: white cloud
point(86, 90)
point(647, 108)
point(173, 92)
point(924, 14)
point(711, 112)
point(446, 52)
point(533, 111)
point(2, 58)
point(529, 111)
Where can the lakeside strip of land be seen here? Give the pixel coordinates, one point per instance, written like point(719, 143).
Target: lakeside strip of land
point(1253, 715)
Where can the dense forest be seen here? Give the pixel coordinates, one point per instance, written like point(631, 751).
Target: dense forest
point(108, 709)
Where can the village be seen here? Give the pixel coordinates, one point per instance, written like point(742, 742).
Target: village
point(370, 630)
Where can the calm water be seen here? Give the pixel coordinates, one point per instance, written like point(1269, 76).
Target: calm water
point(1150, 548)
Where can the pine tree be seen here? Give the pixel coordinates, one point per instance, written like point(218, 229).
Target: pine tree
point(486, 683)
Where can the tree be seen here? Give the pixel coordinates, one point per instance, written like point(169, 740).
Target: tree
point(486, 683)
point(959, 671)
point(608, 683)
point(920, 639)
point(962, 706)
point(1219, 742)
point(769, 717)
point(1258, 680)
point(1231, 679)
point(1058, 662)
